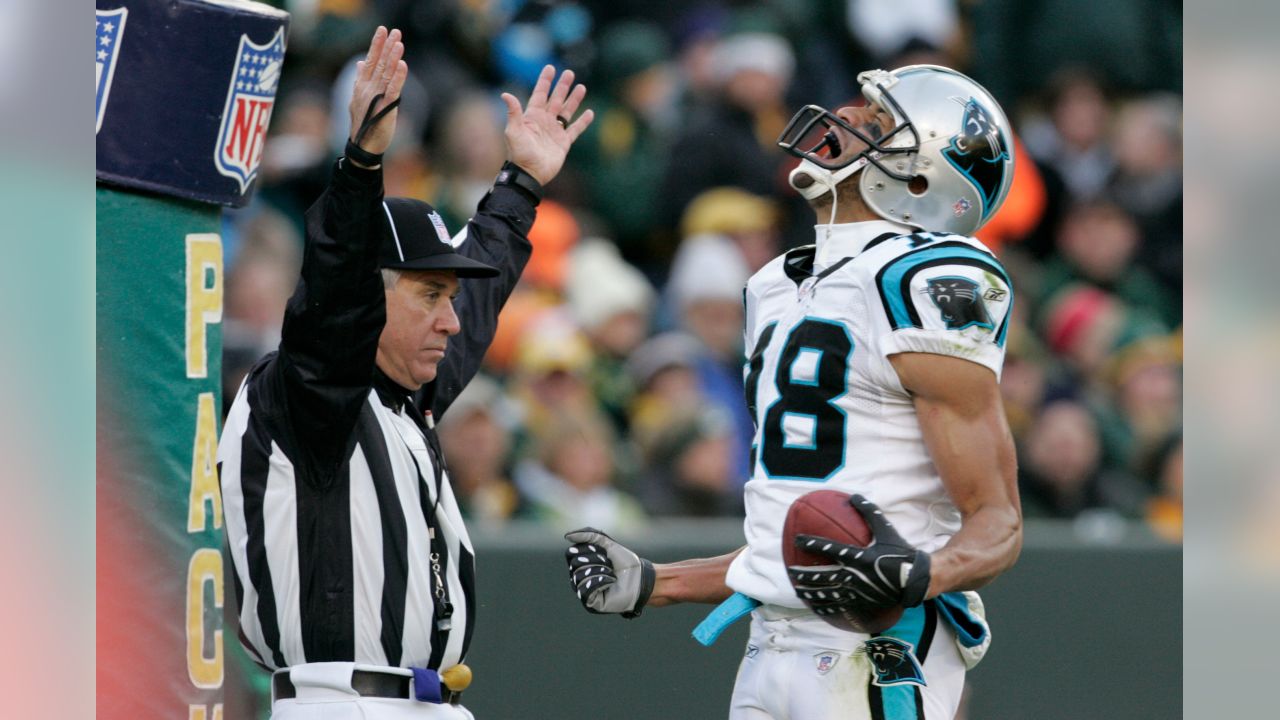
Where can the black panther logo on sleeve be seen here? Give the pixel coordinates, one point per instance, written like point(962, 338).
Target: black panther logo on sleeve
point(958, 299)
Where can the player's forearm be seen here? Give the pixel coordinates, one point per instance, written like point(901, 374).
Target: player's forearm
point(699, 581)
point(987, 545)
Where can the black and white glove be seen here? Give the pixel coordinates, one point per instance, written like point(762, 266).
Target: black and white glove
point(887, 573)
point(607, 577)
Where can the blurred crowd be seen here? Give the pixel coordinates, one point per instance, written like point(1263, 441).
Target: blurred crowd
point(613, 391)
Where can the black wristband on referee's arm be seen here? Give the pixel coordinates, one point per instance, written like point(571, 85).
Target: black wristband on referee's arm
point(516, 176)
point(361, 156)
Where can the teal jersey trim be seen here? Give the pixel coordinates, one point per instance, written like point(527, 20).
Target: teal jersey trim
point(899, 702)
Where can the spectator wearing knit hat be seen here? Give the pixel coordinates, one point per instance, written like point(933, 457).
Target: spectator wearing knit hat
point(751, 221)
point(888, 27)
point(1083, 326)
point(549, 375)
point(1143, 405)
point(613, 303)
point(705, 293)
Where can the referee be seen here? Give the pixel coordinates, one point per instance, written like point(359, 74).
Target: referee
point(354, 574)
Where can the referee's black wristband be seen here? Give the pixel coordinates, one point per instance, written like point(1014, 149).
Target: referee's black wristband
point(362, 156)
point(516, 176)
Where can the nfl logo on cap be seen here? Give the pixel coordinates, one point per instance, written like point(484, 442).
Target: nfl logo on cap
point(251, 96)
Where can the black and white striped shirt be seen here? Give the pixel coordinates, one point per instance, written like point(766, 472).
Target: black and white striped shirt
point(334, 492)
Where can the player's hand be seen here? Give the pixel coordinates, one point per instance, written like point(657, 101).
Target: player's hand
point(607, 577)
point(539, 135)
point(887, 573)
point(382, 72)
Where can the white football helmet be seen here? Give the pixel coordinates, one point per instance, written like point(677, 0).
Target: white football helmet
point(946, 165)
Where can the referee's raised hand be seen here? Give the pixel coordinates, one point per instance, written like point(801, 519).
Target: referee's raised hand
point(379, 79)
point(539, 134)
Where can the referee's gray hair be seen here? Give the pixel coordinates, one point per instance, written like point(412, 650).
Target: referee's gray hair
point(390, 276)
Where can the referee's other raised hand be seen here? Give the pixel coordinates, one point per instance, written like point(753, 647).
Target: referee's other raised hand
point(540, 133)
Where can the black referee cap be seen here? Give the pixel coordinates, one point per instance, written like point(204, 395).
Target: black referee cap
point(415, 238)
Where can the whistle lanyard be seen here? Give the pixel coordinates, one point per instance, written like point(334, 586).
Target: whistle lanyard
point(440, 589)
point(439, 551)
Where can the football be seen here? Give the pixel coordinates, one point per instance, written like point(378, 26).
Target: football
point(828, 514)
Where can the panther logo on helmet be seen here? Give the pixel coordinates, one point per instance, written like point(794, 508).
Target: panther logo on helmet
point(979, 152)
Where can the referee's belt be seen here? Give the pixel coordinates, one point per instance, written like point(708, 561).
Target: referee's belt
point(374, 684)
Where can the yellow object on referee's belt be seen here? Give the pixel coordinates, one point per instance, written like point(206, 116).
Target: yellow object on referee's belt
point(456, 678)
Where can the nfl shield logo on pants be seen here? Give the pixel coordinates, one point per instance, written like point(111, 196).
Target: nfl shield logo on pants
point(825, 661)
point(250, 97)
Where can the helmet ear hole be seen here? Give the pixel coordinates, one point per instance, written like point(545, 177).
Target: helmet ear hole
point(918, 185)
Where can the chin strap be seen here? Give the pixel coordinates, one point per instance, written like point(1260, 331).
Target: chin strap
point(824, 181)
point(835, 199)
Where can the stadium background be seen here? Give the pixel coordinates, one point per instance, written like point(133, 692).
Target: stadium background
point(593, 411)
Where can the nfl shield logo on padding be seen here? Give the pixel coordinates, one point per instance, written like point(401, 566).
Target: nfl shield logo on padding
point(251, 96)
point(106, 50)
point(825, 661)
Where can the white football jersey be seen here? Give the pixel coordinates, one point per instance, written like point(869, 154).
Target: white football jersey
point(830, 412)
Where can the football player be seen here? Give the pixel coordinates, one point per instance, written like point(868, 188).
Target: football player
point(873, 358)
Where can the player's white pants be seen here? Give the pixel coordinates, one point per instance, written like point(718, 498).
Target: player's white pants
point(324, 693)
point(797, 667)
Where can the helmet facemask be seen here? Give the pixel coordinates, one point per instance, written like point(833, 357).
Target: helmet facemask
point(946, 164)
point(811, 136)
